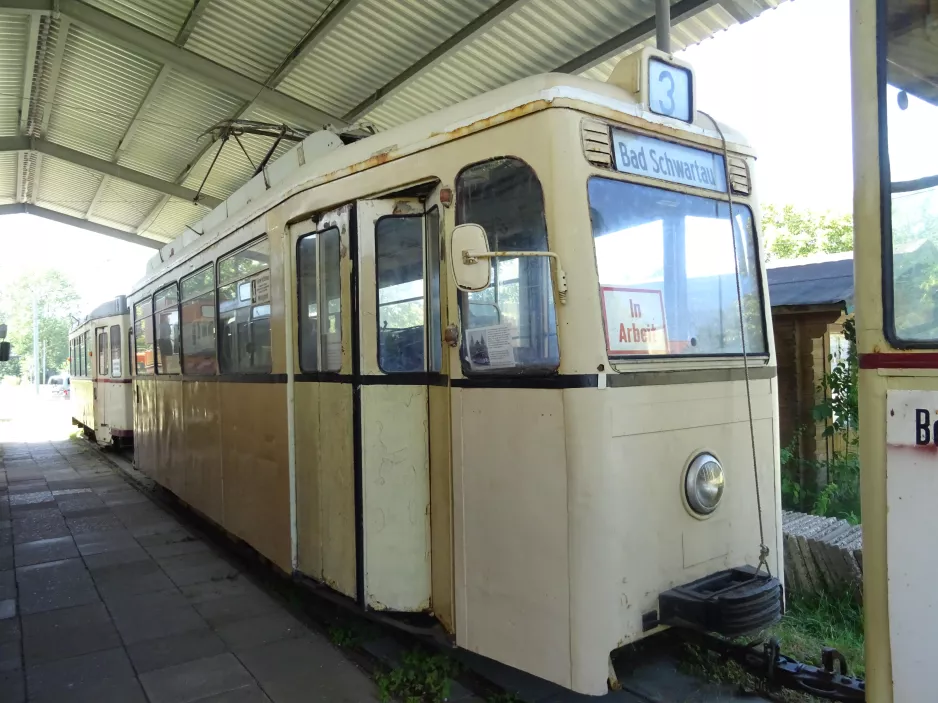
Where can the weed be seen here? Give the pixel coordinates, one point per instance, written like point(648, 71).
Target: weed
point(421, 678)
point(344, 636)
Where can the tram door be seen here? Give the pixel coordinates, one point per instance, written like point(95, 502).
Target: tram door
point(399, 355)
point(100, 359)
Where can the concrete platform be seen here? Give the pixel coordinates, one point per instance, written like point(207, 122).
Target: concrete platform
point(105, 597)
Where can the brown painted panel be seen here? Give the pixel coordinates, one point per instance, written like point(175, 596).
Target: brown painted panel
point(441, 508)
point(308, 490)
point(144, 428)
point(202, 443)
point(174, 467)
point(337, 484)
point(255, 470)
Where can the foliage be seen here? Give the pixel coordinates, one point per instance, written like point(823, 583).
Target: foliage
point(504, 698)
point(421, 678)
point(792, 233)
point(839, 410)
point(57, 306)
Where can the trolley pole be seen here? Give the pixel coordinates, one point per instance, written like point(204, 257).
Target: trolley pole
point(36, 343)
point(663, 25)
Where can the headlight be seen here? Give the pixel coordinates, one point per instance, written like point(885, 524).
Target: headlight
point(703, 484)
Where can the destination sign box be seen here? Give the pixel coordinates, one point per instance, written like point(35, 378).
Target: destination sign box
point(656, 158)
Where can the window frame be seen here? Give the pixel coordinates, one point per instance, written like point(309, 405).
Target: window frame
point(210, 266)
point(102, 365)
point(218, 285)
point(887, 252)
point(120, 360)
point(462, 296)
point(148, 300)
point(320, 287)
point(157, 357)
point(421, 217)
point(759, 267)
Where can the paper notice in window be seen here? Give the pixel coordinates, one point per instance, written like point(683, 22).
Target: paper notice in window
point(491, 347)
point(635, 322)
point(262, 288)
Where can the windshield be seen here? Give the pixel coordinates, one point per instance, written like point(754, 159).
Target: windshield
point(667, 275)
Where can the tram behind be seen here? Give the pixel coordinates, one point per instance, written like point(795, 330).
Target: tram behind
point(99, 369)
point(895, 118)
point(488, 366)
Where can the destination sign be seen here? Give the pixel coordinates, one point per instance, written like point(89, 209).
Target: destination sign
point(655, 158)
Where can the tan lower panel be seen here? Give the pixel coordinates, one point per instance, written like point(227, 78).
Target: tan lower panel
point(308, 517)
point(255, 469)
point(441, 508)
point(172, 412)
point(203, 449)
point(337, 483)
point(144, 458)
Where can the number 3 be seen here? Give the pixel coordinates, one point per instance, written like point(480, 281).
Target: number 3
point(666, 76)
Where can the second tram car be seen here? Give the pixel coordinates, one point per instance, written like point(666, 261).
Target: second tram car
point(99, 369)
point(510, 365)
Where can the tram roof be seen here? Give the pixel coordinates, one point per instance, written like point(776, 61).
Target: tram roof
point(102, 102)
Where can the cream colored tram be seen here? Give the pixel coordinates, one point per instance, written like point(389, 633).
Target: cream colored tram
point(99, 365)
point(487, 366)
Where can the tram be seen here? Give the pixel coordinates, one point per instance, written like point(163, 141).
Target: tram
point(99, 368)
point(510, 365)
point(895, 113)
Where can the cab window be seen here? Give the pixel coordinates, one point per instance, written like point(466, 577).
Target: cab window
point(511, 327)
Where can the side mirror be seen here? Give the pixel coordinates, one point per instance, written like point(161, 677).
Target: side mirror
point(465, 243)
point(4, 351)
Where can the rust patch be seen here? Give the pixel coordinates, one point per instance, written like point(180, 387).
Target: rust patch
point(488, 122)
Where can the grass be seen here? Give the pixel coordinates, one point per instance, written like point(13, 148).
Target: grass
point(808, 626)
point(422, 677)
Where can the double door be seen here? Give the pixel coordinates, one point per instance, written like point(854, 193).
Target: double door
point(376, 426)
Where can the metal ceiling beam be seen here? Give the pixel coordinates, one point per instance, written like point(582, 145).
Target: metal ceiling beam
point(142, 43)
point(79, 158)
point(680, 11)
point(313, 38)
point(192, 19)
point(32, 42)
point(19, 208)
point(470, 32)
point(54, 70)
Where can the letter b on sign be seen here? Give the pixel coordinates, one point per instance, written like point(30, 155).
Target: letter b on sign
point(923, 433)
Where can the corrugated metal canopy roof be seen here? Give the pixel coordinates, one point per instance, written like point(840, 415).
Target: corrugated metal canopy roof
point(103, 103)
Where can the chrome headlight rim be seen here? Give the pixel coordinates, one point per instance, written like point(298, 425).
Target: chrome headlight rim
point(692, 503)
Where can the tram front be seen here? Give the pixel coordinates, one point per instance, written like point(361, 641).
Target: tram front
point(668, 385)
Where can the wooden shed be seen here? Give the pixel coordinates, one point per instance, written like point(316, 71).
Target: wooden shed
point(811, 298)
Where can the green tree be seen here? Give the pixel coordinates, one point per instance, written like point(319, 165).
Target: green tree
point(792, 233)
point(58, 306)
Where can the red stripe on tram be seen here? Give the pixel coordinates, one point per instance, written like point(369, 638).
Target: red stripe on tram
point(899, 360)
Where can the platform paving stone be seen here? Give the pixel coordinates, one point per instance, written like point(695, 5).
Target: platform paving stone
point(105, 597)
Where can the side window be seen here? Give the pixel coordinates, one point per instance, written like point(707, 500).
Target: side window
point(166, 325)
point(400, 281)
point(116, 351)
point(71, 357)
point(198, 323)
point(318, 261)
point(244, 310)
point(79, 355)
point(88, 356)
point(510, 327)
point(102, 353)
point(143, 338)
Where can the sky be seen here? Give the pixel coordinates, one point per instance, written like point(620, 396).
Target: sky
point(792, 103)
